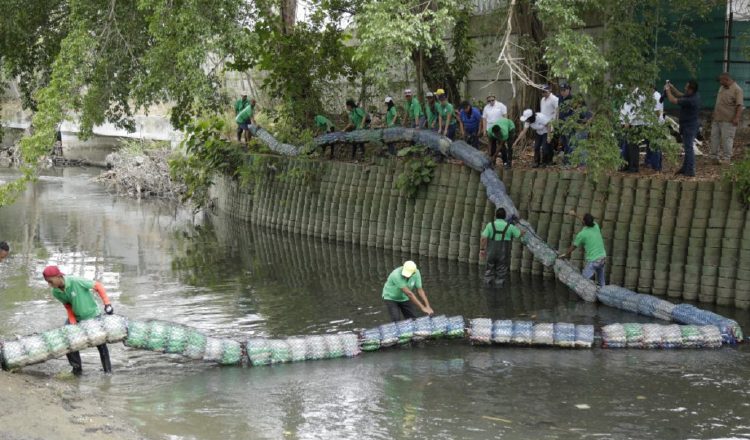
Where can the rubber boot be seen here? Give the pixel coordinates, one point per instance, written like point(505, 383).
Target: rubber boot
point(104, 356)
point(74, 359)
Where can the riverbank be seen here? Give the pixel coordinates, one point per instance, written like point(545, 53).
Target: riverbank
point(52, 408)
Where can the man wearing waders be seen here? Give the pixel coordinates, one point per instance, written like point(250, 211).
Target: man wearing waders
point(398, 293)
point(495, 246)
point(75, 294)
point(591, 239)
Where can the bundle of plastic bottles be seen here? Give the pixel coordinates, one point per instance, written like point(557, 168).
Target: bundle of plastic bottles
point(505, 331)
point(272, 143)
point(428, 138)
point(541, 250)
point(166, 337)
point(571, 277)
point(54, 343)
point(403, 332)
point(261, 351)
point(470, 156)
point(661, 336)
point(497, 193)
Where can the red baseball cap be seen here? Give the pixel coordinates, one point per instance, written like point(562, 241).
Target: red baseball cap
point(52, 271)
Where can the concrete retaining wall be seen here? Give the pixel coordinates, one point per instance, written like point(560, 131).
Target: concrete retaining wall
point(688, 240)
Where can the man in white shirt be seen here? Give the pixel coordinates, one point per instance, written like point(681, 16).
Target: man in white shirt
point(539, 122)
point(631, 117)
point(493, 112)
point(549, 103)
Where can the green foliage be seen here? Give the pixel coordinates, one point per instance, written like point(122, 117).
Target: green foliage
point(206, 154)
point(419, 169)
point(739, 176)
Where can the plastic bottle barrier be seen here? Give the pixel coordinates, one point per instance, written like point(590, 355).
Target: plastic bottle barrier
point(661, 336)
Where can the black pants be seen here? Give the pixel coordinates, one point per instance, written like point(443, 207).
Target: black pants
point(498, 258)
point(74, 358)
point(396, 308)
point(542, 153)
point(506, 149)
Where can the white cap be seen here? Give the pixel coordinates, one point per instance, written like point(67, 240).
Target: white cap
point(388, 99)
point(408, 269)
point(526, 114)
point(408, 92)
point(244, 93)
point(429, 95)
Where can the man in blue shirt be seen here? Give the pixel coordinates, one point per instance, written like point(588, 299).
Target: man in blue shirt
point(689, 103)
point(469, 120)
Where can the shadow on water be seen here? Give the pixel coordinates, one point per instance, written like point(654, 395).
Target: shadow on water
point(233, 279)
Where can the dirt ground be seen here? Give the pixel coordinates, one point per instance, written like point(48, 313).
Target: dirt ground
point(38, 409)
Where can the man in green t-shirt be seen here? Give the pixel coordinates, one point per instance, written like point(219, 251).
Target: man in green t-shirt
point(446, 116)
point(504, 131)
point(431, 111)
point(591, 239)
point(494, 244)
point(323, 125)
point(398, 293)
point(240, 105)
point(244, 118)
point(357, 121)
point(75, 294)
point(391, 116)
point(413, 115)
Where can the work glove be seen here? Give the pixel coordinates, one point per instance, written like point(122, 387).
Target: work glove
point(108, 309)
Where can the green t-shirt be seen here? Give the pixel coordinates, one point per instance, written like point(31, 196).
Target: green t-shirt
point(244, 115)
point(444, 110)
point(591, 239)
point(432, 115)
point(413, 110)
point(392, 289)
point(323, 122)
point(239, 105)
point(506, 126)
point(78, 294)
point(356, 117)
point(511, 233)
point(390, 116)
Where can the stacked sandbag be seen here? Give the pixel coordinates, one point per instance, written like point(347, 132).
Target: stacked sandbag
point(655, 336)
point(571, 277)
point(166, 337)
point(54, 343)
point(731, 332)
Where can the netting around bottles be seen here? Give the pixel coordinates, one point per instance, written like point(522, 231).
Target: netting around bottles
point(497, 193)
point(480, 330)
point(456, 327)
point(571, 277)
point(272, 143)
point(422, 328)
point(655, 336)
point(371, 339)
point(506, 331)
point(541, 250)
point(470, 156)
point(731, 332)
point(405, 331)
point(56, 342)
point(388, 334)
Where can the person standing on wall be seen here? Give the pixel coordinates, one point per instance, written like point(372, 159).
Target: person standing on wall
point(690, 104)
point(431, 111)
point(590, 237)
point(503, 131)
point(240, 105)
point(356, 122)
point(726, 118)
point(446, 116)
point(413, 115)
point(398, 293)
point(391, 117)
point(549, 105)
point(494, 244)
point(245, 118)
point(632, 123)
point(469, 121)
point(492, 112)
point(566, 109)
point(539, 122)
point(75, 294)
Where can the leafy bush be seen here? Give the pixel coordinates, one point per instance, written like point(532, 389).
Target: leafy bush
point(739, 175)
point(419, 169)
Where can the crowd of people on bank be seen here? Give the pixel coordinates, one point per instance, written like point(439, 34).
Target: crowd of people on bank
point(548, 124)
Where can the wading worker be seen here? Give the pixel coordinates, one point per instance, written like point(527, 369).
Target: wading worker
point(75, 294)
point(398, 293)
point(495, 245)
point(4, 250)
point(591, 239)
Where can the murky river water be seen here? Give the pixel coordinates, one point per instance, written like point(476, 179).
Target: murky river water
point(235, 280)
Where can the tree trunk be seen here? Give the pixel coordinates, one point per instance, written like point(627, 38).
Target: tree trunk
point(528, 26)
point(288, 15)
point(437, 73)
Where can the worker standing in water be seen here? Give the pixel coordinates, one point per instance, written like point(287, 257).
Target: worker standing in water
point(75, 294)
point(495, 245)
point(399, 296)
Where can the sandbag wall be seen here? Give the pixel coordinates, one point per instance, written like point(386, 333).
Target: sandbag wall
point(658, 234)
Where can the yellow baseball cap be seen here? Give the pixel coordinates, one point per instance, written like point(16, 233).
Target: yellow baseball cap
point(409, 268)
point(440, 92)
